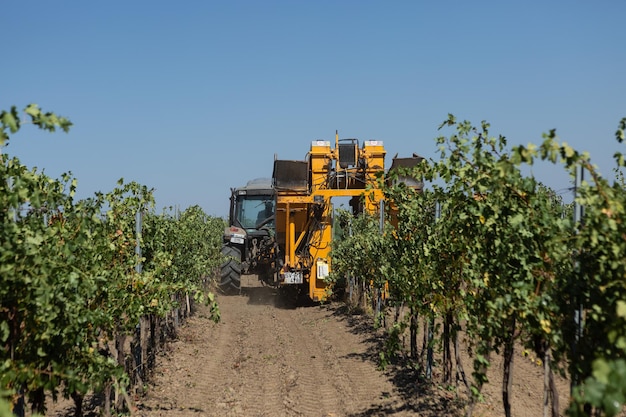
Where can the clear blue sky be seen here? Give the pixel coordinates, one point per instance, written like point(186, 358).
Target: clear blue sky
point(194, 97)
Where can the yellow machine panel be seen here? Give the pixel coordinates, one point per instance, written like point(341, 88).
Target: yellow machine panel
point(304, 213)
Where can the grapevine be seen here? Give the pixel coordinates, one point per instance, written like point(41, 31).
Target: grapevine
point(493, 253)
point(74, 285)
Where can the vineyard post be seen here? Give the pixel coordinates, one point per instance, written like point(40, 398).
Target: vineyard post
point(379, 291)
point(431, 323)
point(138, 230)
point(138, 346)
point(349, 277)
point(429, 352)
point(578, 308)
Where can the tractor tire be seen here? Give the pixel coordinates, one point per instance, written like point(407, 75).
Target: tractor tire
point(230, 270)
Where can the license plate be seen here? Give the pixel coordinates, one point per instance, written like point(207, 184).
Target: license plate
point(238, 240)
point(293, 278)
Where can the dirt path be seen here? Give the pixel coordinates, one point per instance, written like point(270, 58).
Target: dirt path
point(269, 359)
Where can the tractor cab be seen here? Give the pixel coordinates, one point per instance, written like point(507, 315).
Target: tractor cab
point(249, 237)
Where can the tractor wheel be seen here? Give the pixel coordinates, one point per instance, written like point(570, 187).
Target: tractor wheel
point(230, 269)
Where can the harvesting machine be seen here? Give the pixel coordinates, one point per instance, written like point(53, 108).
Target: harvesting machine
point(281, 228)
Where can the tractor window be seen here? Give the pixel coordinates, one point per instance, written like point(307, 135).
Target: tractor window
point(253, 210)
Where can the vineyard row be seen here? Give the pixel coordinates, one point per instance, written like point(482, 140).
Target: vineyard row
point(492, 253)
point(87, 296)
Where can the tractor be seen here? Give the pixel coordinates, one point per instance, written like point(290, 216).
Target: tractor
point(249, 245)
point(281, 228)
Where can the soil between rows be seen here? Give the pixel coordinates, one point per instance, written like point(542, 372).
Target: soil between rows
point(270, 357)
